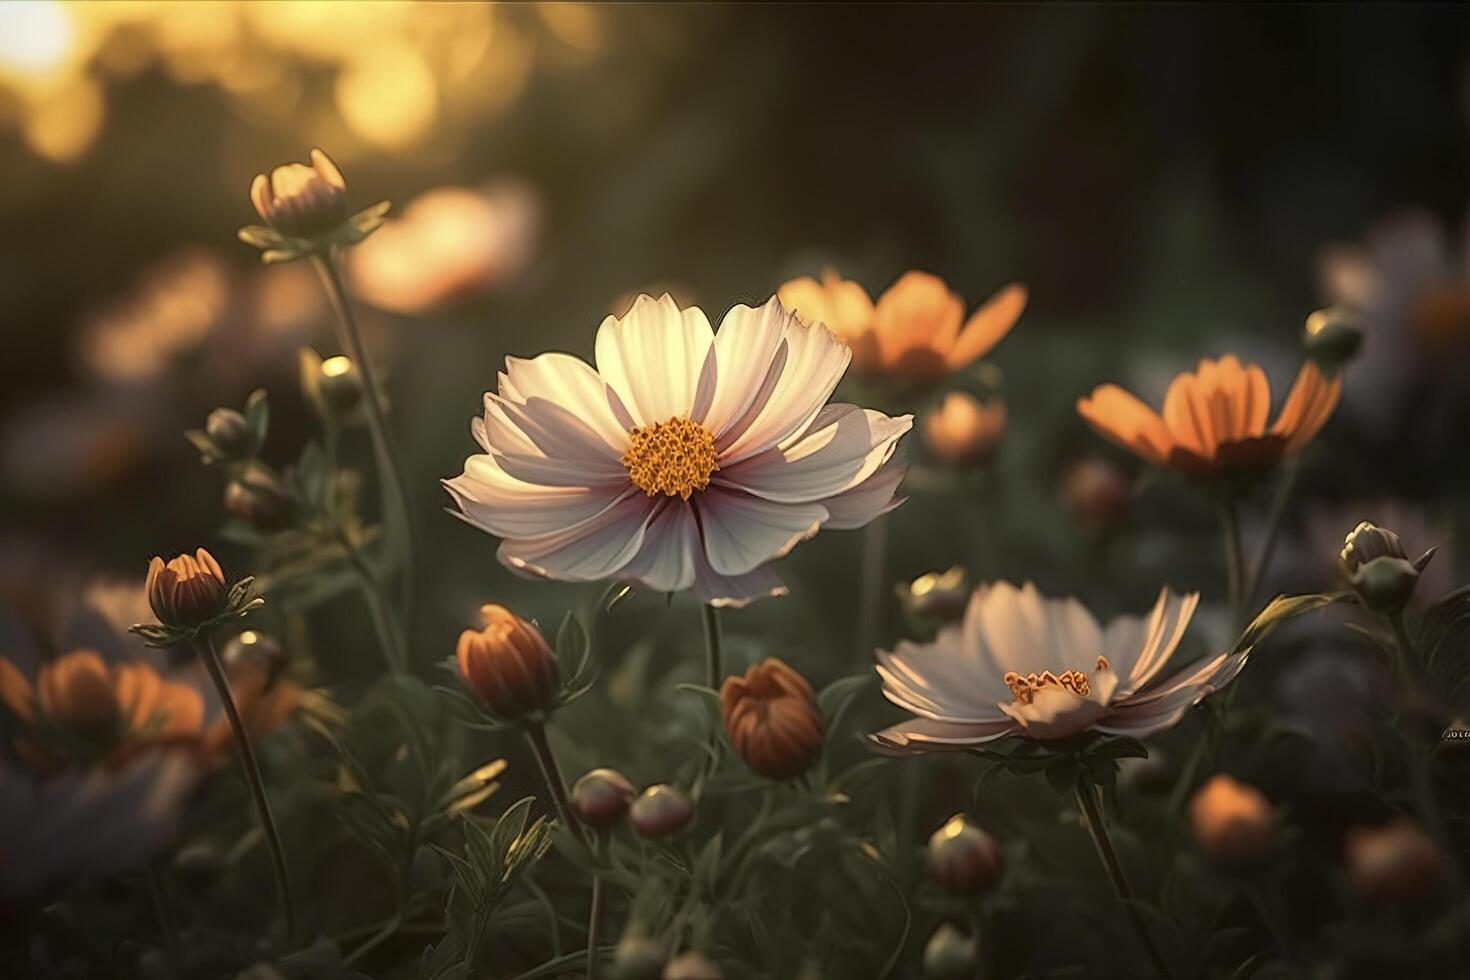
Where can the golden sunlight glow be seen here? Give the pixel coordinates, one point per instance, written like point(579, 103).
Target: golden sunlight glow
point(953, 827)
point(335, 367)
point(388, 98)
point(35, 36)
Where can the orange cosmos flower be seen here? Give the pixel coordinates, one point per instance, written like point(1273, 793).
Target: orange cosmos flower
point(916, 330)
point(1214, 419)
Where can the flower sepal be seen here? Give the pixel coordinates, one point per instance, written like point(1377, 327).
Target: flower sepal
point(276, 247)
point(1064, 760)
point(240, 601)
point(231, 437)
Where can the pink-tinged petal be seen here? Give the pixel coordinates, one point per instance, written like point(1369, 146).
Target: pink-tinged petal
point(571, 383)
point(742, 532)
point(499, 433)
point(653, 357)
point(596, 549)
point(1055, 712)
point(742, 368)
point(493, 500)
point(869, 500)
point(959, 679)
point(922, 735)
point(1167, 622)
point(665, 563)
point(813, 364)
point(844, 446)
point(1011, 624)
point(559, 434)
point(735, 591)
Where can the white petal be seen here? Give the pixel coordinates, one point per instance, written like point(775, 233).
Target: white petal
point(1055, 712)
point(665, 563)
point(813, 363)
point(1166, 625)
point(844, 446)
point(735, 591)
point(742, 532)
point(571, 383)
point(742, 359)
point(1011, 624)
point(567, 452)
point(653, 357)
point(867, 501)
point(948, 679)
point(493, 500)
point(922, 735)
point(596, 549)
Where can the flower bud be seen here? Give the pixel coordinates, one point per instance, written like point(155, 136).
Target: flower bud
point(231, 435)
point(963, 859)
point(187, 591)
point(690, 965)
point(1386, 584)
point(260, 500)
point(950, 954)
point(1332, 338)
point(660, 811)
point(507, 664)
point(1368, 541)
point(333, 386)
point(965, 430)
point(637, 957)
point(1095, 492)
point(1392, 863)
point(772, 719)
point(602, 797)
point(302, 201)
point(936, 595)
point(1233, 822)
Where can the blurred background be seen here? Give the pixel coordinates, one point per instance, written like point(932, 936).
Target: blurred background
point(1171, 183)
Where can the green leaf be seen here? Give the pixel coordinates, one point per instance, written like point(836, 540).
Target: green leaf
point(836, 698)
point(258, 415)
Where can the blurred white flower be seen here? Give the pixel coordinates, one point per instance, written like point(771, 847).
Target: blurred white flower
point(1023, 664)
point(686, 459)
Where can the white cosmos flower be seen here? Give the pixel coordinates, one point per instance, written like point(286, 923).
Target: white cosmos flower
point(686, 459)
point(1023, 664)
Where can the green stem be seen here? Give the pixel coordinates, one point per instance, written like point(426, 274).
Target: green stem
point(556, 784)
point(204, 646)
point(1234, 564)
point(594, 927)
point(390, 462)
point(166, 923)
point(385, 623)
point(714, 676)
point(870, 588)
point(1092, 816)
point(1256, 574)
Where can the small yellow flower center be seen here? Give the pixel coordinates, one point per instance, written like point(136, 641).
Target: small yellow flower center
point(673, 457)
point(1024, 686)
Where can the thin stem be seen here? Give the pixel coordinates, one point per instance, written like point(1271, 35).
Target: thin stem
point(1234, 564)
point(714, 672)
point(207, 651)
point(1087, 802)
point(594, 928)
point(377, 939)
point(560, 964)
point(166, 923)
point(385, 623)
point(870, 587)
point(556, 784)
point(390, 463)
point(1256, 574)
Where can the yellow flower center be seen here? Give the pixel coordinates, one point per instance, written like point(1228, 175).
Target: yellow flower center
point(673, 457)
point(1024, 686)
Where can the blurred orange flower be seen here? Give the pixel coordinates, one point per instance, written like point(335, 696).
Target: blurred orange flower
point(916, 330)
point(1233, 821)
point(1214, 418)
point(964, 429)
point(772, 719)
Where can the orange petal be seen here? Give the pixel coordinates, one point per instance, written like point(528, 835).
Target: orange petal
point(260, 196)
point(138, 690)
point(988, 325)
point(16, 691)
point(917, 311)
point(1308, 406)
point(1120, 417)
point(1184, 414)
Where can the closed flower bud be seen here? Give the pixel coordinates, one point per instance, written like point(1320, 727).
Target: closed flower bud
point(507, 664)
point(1332, 338)
point(260, 500)
point(1233, 822)
point(950, 954)
point(231, 435)
point(333, 386)
point(772, 720)
point(1379, 567)
point(302, 201)
point(1392, 863)
point(963, 859)
point(187, 591)
point(637, 957)
point(1095, 492)
point(1368, 541)
point(690, 965)
point(964, 430)
point(602, 797)
point(660, 811)
point(936, 595)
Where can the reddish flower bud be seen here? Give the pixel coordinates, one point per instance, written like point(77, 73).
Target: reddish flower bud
point(1393, 863)
point(1233, 821)
point(963, 859)
point(260, 500)
point(231, 434)
point(602, 797)
point(661, 810)
point(507, 664)
point(772, 719)
point(187, 591)
point(1095, 492)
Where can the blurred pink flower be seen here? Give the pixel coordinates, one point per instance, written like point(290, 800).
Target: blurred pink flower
point(686, 459)
point(1023, 664)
